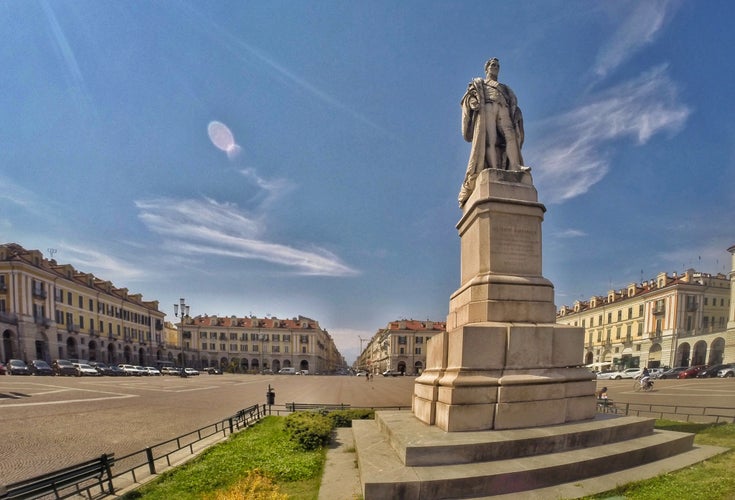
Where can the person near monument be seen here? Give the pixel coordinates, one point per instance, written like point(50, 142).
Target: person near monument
point(493, 123)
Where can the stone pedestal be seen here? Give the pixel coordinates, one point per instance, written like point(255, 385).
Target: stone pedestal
point(504, 363)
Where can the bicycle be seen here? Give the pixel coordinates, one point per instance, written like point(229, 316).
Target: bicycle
point(639, 385)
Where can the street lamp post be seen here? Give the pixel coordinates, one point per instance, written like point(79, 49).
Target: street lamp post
point(184, 307)
point(261, 337)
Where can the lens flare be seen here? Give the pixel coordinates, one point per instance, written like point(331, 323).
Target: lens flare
point(222, 138)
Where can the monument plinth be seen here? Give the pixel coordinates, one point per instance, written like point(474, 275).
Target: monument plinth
point(504, 363)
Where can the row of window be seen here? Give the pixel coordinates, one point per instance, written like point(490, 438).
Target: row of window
point(39, 290)
point(264, 337)
point(246, 348)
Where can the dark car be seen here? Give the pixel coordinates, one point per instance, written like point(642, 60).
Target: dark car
point(104, 368)
point(18, 367)
point(40, 367)
point(711, 372)
point(64, 367)
point(213, 371)
point(673, 372)
point(692, 371)
point(3, 370)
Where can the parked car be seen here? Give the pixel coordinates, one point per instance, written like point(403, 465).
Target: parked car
point(213, 370)
point(84, 370)
point(142, 370)
point(711, 371)
point(655, 372)
point(130, 370)
point(153, 371)
point(3, 370)
point(627, 373)
point(17, 367)
point(169, 370)
point(727, 372)
point(287, 371)
point(605, 375)
point(392, 373)
point(40, 367)
point(673, 372)
point(105, 369)
point(361, 373)
point(64, 367)
point(191, 371)
point(692, 371)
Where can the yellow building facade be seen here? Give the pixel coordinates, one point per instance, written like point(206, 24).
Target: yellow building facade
point(52, 311)
point(672, 320)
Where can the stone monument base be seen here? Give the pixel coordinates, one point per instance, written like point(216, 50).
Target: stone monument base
point(401, 457)
point(504, 376)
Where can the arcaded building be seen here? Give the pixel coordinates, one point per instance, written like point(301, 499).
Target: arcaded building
point(251, 344)
point(400, 346)
point(672, 320)
point(50, 311)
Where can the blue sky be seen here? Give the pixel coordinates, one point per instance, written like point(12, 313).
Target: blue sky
point(335, 195)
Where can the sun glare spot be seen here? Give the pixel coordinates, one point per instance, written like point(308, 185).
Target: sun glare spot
point(222, 138)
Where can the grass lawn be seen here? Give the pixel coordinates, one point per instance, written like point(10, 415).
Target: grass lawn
point(261, 463)
point(280, 464)
point(713, 479)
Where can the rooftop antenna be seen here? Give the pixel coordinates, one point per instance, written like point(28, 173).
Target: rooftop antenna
point(52, 252)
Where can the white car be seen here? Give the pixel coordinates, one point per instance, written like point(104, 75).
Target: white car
point(727, 372)
point(605, 375)
point(627, 373)
point(152, 370)
point(191, 371)
point(85, 370)
point(130, 370)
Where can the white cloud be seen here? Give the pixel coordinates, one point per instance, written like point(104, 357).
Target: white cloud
point(640, 28)
point(570, 233)
point(100, 263)
point(573, 151)
point(206, 227)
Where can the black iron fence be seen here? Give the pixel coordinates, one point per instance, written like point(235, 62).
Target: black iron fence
point(133, 469)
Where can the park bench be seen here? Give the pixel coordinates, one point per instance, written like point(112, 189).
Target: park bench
point(316, 406)
point(58, 483)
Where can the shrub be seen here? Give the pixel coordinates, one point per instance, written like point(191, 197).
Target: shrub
point(310, 430)
point(344, 418)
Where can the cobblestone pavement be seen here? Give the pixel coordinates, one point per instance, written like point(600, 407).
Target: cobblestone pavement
point(50, 422)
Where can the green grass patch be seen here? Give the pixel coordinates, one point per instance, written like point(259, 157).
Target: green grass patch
point(263, 447)
point(713, 479)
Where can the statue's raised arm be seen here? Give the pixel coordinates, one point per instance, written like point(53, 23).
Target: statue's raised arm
point(493, 123)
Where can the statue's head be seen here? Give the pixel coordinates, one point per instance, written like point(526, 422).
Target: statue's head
point(494, 61)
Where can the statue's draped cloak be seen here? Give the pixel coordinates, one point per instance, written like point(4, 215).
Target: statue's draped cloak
point(474, 121)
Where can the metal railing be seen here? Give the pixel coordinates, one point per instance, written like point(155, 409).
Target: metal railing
point(131, 470)
point(676, 412)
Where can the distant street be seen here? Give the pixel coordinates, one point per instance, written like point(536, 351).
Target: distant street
point(49, 422)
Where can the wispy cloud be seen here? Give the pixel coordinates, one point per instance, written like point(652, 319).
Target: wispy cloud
point(100, 263)
point(206, 227)
point(570, 233)
point(240, 49)
point(66, 52)
point(709, 256)
point(641, 27)
point(573, 153)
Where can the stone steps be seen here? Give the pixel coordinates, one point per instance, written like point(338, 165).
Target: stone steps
point(456, 472)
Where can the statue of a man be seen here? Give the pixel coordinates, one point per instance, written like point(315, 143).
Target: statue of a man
point(493, 123)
